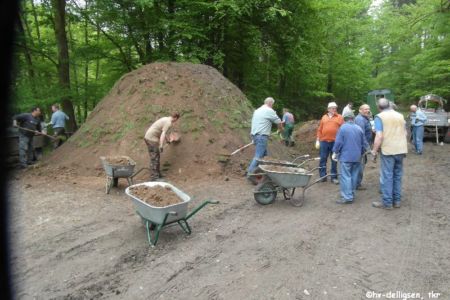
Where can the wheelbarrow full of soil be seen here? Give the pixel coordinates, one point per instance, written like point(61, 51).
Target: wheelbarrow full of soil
point(118, 167)
point(283, 179)
point(160, 204)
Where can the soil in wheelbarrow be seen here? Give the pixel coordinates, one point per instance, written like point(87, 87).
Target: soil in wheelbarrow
point(155, 196)
point(117, 161)
point(273, 160)
point(283, 169)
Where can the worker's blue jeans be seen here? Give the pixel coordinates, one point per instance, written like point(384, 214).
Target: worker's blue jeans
point(260, 142)
point(391, 173)
point(348, 179)
point(418, 138)
point(326, 150)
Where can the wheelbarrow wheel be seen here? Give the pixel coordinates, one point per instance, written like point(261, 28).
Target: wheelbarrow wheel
point(265, 193)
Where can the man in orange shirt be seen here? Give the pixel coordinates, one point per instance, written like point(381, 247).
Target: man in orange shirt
point(326, 135)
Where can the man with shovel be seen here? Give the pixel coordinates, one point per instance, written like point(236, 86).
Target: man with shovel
point(155, 138)
point(29, 123)
point(262, 121)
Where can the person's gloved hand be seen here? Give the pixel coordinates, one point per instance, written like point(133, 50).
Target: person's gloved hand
point(317, 145)
point(334, 156)
point(161, 149)
point(15, 123)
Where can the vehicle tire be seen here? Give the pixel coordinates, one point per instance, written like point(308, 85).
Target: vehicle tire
point(447, 136)
point(265, 193)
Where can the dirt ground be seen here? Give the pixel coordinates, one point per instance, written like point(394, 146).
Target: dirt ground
point(72, 241)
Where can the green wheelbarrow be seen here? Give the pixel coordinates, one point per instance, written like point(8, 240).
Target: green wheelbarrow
point(155, 218)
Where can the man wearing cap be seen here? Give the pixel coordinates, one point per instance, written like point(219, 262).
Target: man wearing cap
point(262, 121)
point(363, 121)
point(326, 135)
point(348, 148)
point(391, 138)
point(418, 119)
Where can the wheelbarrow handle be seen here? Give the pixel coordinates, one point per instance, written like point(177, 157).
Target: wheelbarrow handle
point(300, 157)
point(206, 202)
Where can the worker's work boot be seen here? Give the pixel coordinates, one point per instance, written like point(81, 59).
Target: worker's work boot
point(397, 205)
point(335, 181)
point(378, 204)
point(361, 188)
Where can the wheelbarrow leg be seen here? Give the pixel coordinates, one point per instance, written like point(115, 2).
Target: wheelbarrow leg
point(109, 183)
point(153, 238)
point(184, 225)
point(130, 181)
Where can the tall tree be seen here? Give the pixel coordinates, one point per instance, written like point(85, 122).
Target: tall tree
point(59, 9)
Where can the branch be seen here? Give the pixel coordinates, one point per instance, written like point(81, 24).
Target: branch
point(37, 51)
point(119, 47)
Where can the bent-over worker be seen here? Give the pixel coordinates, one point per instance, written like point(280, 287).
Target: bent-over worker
point(155, 138)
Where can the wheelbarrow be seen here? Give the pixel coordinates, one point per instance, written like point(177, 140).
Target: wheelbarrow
point(114, 172)
point(155, 218)
point(286, 180)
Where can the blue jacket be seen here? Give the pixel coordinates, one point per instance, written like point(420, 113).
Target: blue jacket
point(59, 119)
point(418, 118)
point(350, 143)
point(364, 123)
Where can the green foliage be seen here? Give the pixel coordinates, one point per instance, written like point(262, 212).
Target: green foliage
point(302, 53)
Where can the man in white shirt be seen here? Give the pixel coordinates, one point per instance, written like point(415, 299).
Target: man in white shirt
point(262, 121)
point(348, 108)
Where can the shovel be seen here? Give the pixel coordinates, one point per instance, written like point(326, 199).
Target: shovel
point(37, 132)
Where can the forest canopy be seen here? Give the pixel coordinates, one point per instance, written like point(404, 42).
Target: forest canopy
point(303, 53)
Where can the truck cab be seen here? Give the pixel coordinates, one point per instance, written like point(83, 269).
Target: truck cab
point(438, 119)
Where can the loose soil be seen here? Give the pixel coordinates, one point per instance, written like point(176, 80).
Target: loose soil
point(281, 169)
point(155, 196)
point(72, 241)
point(117, 161)
point(215, 118)
point(273, 160)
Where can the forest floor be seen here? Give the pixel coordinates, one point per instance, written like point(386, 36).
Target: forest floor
point(72, 241)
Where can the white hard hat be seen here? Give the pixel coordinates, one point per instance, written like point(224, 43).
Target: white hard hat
point(332, 104)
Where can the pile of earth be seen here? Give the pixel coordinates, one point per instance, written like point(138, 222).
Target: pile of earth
point(305, 136)
point(156, 196)
point(215, 120)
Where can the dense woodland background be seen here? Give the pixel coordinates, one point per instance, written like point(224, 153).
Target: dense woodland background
point(301, 52)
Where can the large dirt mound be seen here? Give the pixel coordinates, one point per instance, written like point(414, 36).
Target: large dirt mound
point(305, 135)
point(215, 119)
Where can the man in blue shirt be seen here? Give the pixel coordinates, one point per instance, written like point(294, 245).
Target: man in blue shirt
point(262, 121)
point(362, 120)
point(348, 148)
point(58, 122)
point(418, 119)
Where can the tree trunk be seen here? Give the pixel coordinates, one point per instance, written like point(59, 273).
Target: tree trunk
point(59, 8)
point(28, 59)
point(36, 23)
point(86, 70)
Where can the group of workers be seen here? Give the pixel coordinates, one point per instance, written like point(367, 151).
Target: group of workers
point(348, 139)
point(345, 138)
point(30, 124)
